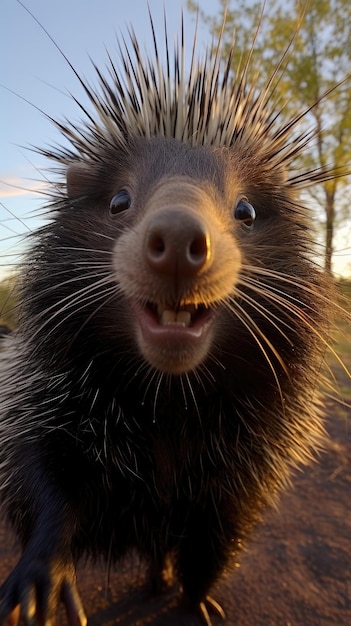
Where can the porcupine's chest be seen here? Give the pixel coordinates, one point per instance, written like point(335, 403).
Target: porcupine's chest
point(143, 453)
point(144, 495)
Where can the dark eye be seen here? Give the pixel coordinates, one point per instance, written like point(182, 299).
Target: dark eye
point(120, 202)
point(244, 212)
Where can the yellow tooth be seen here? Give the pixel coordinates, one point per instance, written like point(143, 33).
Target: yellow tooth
point(168, 317)
point(183, 318)
point(191, 308)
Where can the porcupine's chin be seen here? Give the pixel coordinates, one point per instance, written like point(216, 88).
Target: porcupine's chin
point(173, 341)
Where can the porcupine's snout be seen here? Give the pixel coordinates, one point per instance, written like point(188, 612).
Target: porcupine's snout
point(184, 263)
point(177, 243)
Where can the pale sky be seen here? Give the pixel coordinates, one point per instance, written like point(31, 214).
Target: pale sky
point(32, 68)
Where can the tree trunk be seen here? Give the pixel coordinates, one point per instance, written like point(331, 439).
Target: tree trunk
point(329, 230)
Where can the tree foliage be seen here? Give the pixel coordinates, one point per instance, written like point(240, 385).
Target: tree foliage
point(306, 48)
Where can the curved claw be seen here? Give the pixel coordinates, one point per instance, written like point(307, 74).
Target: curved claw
point(71, 600)
point(74, 608)
point(209, 604)
point(32, 593)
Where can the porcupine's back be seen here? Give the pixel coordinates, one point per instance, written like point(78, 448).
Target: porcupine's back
point(172, 324)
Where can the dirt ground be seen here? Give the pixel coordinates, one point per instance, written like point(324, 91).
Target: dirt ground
point(296, 570)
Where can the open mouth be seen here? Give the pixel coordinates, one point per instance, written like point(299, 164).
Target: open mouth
point(184, 316)
point(173, 339)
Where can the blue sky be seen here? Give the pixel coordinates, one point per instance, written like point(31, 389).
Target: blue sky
point(32, 67)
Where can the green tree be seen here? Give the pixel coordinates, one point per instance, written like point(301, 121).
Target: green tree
point(319, 57)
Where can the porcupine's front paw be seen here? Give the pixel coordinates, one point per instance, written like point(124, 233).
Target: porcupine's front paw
point(34, 590)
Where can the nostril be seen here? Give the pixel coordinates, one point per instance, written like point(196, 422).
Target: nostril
point(199, 249)
point(156, 245)
point(159, 251)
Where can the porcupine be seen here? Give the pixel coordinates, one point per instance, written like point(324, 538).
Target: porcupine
point(164, 379)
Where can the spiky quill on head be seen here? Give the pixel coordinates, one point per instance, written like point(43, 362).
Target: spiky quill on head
point(210, 104)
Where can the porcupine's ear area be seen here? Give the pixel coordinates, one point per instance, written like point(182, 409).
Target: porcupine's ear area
point(78, 179)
